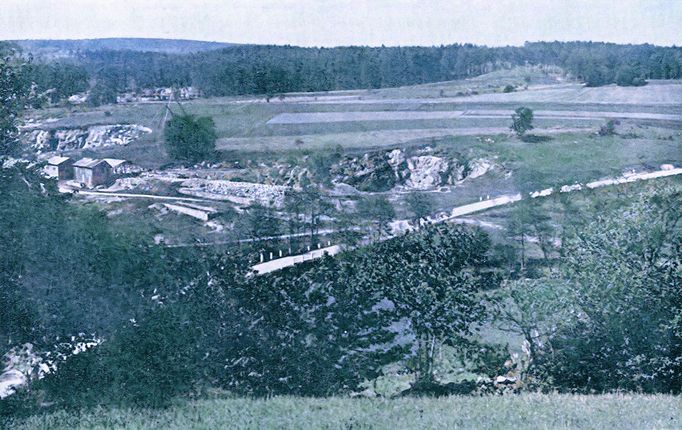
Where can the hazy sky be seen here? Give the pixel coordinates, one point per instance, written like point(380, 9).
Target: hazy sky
point(346, 22)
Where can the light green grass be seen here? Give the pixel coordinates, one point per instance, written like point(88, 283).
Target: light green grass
point(502, 412)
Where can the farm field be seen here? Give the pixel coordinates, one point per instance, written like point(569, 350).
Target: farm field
point(528, 411)
point(457, 121)
point(376, 118)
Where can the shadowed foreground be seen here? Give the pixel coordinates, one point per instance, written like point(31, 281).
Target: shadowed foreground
point(502, 412)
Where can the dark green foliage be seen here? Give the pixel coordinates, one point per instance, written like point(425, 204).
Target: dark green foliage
point(101, 94)
point(17, 320)
point(421, 205)
point(305, 209)
point(145, 363)
point(378, 212)
point(323, 333)
point(626, 76)
point(509, 89)
point(14, 89)
point(58, 80)
point(190, 138)
point(319, 328)
point(522, 121)
point(262, 221)
point(77, 271)
point(608, 129)
point(623, 279)
point(433, 279)
point(271, 70)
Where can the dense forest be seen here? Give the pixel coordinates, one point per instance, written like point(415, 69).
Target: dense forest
point(252, 69)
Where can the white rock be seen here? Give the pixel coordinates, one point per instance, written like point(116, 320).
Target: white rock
point(426, 171)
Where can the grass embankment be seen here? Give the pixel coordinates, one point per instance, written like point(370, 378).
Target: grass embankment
point(501, 412)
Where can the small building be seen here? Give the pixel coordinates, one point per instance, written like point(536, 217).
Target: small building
point(118, 166)
point(91, 172)
point(59, 168)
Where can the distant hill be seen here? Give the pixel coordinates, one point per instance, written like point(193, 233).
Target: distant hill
point(65, 48)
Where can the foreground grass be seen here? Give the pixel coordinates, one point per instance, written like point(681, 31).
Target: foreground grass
point(531, 411)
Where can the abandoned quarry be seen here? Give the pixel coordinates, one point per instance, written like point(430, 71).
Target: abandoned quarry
point(257, 233)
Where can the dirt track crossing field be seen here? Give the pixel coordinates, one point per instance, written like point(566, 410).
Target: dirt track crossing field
point(315, 117)
point(326, 117)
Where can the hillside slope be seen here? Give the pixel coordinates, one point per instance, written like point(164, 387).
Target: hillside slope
point(62, 48)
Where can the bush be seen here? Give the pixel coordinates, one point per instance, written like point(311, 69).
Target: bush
point(608, 129)
point(522, 121)
point(626, 76)
point(190, 138)
point(145, 364)
point(623, 325)
point(101, 94)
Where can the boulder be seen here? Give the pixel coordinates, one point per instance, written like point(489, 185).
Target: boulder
point(371, 172)
point(427, 172)
point(479, 167)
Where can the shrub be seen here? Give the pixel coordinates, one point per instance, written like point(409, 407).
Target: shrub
point(608, 129)
point(626, 76)
point(623, 328)
point(190, 138)
point(522, 121)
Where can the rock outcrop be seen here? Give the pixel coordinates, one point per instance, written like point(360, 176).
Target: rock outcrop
point(382, 171)
point(377, 171)
point(66, 139)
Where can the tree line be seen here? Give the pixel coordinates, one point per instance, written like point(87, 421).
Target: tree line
point(271, 70)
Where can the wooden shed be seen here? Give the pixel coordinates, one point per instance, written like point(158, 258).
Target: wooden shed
point(118, 166)
point(91, 172)
point(59, 167)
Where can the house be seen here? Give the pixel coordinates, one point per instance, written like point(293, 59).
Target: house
point(59, 167)
point(118, 166)
point(91, 172)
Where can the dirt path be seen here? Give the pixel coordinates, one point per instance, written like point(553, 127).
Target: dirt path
point(352, 116)
point(281, 263)
point(129, 195)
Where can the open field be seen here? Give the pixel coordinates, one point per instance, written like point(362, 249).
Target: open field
point(393, 116)
point(530, 411)
point(458, 121)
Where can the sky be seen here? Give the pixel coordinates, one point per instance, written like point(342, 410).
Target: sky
point(348, 22)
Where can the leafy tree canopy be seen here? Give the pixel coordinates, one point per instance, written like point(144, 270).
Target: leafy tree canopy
point(190, 138)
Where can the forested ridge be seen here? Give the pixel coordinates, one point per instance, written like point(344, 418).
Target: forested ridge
point(259, 69)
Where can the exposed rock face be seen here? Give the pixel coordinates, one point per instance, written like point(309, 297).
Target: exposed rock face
point(296, 176)
point(479, 167)
point(371, 172)
point(381, 171)
point(238, 192)
point(81, 138)
point(427, 172)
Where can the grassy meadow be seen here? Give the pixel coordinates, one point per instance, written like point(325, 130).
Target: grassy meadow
point(528, 411)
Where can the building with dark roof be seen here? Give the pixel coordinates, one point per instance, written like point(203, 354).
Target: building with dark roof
point(59, 168)
point(91, 172)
